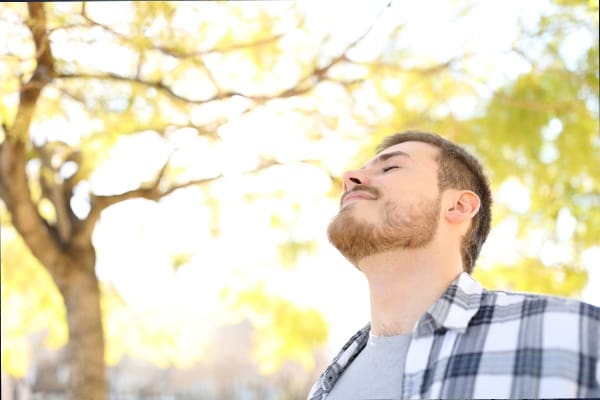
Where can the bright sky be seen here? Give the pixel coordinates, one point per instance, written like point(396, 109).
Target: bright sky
point(136, 240)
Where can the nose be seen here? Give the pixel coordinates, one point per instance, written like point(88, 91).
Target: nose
point(353, 178)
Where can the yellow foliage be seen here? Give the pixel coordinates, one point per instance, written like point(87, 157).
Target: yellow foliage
point(115, 322)
point(15, 356)
point(290, 251)
point(157, 334)
point(531, 275)
point(46, 210)
point(283, 331)
point(30, 304)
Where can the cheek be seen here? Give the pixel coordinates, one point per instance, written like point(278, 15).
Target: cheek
point(402, 200)
point(409, 208)
point(396, 214)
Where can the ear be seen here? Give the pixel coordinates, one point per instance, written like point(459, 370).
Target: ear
point(463, 207)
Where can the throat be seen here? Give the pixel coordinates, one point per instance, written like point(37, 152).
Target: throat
point(401, 294)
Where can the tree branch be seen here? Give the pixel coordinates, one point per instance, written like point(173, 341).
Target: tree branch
point(292, 91)
point(100, 203)
point(41, 76)
point(57, 190)
point(40, 238)
point(156, 85)
point(83, 231)
point(176, 53)
point(154, 193)
point(302, 86)
point(429, 70)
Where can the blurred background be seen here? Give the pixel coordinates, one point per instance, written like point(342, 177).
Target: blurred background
point(168, 171)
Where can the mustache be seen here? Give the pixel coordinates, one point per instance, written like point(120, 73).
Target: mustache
point(361, 188)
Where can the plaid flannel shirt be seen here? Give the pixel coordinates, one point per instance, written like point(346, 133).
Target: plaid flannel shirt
point(475, 343)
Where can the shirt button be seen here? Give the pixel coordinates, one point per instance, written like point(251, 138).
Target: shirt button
point(328, 379)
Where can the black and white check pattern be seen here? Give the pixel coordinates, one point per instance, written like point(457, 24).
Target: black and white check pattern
point(475, 343)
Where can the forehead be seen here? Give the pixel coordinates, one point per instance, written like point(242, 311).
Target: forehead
point(419, 152)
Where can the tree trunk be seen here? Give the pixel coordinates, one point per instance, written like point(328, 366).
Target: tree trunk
point(86, 335)
point(72, 268)
point(69, 258)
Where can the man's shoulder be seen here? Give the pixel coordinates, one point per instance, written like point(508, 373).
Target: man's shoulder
point(521, 304)
point(505, 297)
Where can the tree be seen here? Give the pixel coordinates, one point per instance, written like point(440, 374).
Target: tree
point(538, 132)
point(145, 94)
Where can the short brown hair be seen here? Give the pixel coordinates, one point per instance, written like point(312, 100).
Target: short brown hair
point(457, 169)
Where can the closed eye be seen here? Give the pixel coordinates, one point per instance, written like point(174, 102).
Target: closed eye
point(386, 169)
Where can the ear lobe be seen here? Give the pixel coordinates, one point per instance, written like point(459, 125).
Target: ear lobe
point(465, 207)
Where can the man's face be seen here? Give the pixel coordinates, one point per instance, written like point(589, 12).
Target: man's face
point(392, 202)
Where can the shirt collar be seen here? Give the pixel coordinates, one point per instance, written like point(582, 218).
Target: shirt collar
point(454, 309)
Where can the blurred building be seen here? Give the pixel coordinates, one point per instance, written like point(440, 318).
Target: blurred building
point(228, 372)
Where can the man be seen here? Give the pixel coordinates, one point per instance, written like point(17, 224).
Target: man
point(413, 220)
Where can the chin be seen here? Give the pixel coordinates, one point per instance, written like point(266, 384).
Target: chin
point(360, 213)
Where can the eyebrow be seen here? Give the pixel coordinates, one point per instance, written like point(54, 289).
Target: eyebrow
point(386, 156)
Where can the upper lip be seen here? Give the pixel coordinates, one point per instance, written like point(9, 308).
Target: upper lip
point(357, 194)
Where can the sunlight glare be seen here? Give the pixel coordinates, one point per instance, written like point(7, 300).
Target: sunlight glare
point(514, 195)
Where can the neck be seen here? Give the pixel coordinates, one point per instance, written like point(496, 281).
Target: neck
point(403, 284)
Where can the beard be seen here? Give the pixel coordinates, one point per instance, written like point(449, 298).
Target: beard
point(412, 229)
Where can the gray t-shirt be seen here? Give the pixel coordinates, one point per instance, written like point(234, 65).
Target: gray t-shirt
point(376, 373)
